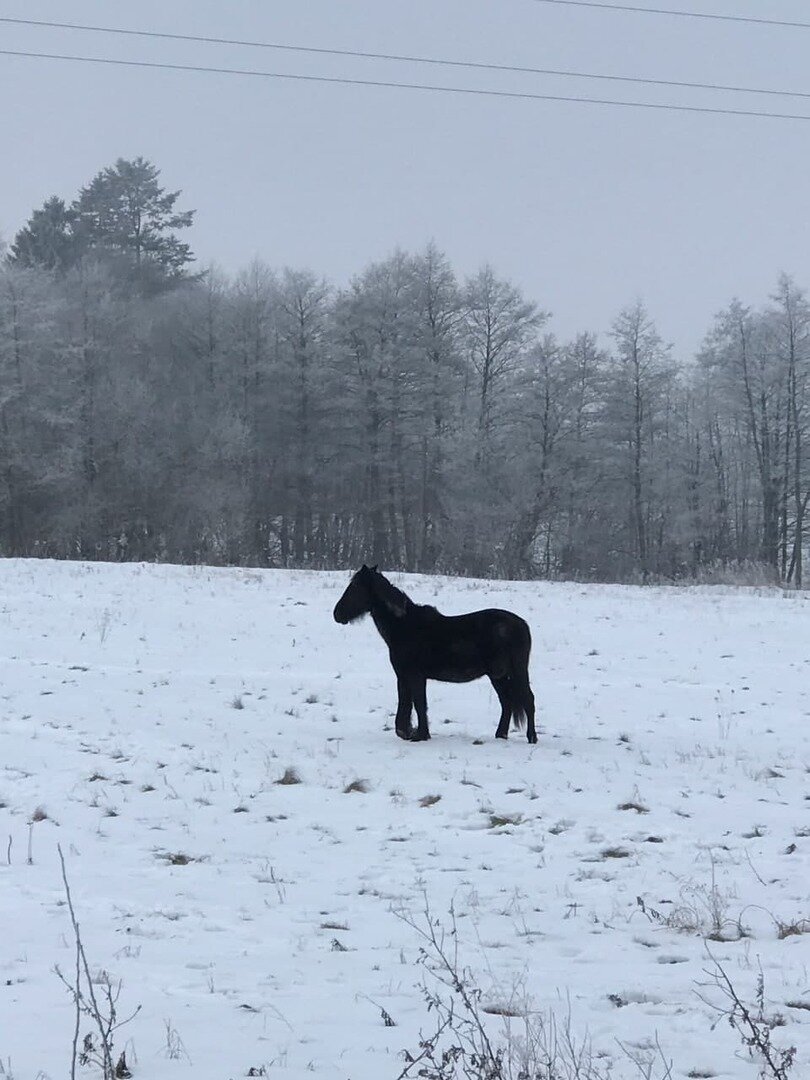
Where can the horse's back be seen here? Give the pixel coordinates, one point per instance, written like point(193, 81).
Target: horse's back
point(497, 624)
point(460, 648)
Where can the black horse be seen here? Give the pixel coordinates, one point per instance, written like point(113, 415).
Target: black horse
point(424, 644)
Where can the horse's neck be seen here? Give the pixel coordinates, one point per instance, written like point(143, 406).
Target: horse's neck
point(384, 621)
point(389, 612)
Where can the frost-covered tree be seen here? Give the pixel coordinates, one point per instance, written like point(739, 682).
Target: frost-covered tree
point(499, 325)
point(789, 317)
point(302, 321)
point(437, 326)
point(637, 384)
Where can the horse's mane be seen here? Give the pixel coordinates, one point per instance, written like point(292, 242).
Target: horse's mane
point(430, 611)
point(393, 598)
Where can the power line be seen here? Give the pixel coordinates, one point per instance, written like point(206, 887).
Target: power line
point(716, 16)
point(357, 54)
point(380, 83)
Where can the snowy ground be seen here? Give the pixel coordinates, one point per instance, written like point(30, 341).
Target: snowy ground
point(147, 713)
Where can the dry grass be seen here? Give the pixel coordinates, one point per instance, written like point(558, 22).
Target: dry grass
point(290, 776)
point(179, 858)
point(614, 853)
point(360, 787)
point(503, 1009)
point(792, 929)
point(498, 821)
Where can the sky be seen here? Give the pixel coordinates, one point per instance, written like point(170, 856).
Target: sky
point(586, 208)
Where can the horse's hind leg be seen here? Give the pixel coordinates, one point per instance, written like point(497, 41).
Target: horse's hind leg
point(525, 700)
point(402, 723)
point(502, 689)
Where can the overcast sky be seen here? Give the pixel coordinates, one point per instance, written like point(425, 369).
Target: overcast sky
point(585, 207)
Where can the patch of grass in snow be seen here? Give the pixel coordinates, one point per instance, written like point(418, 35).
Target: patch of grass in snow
point(290, 776)
point(503, 1008)
point(702, 910)
point(769, 773)
point(614, 853)
point(561, 826)
point(792, 929)
point(753, 834)
point(179, 858)
point(359, 786)
point(497, 821)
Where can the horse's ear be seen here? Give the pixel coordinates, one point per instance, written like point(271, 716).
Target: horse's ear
point(364, 567)
point(374, 568)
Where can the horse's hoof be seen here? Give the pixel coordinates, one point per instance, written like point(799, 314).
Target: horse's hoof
point(404, 733)
point(420, 736)
point(532, 739)
point(499, 736)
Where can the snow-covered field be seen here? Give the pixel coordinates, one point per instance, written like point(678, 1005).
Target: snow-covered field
point(147, 714)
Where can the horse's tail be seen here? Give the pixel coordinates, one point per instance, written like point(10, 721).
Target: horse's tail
point(519, 676)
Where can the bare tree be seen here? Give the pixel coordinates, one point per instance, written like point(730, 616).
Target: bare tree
point(791, 322)
point(638, 379)
point(437, 321)
point(303, 311)
point(499, 325)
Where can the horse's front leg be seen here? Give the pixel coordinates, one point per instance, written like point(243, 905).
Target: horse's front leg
point(402, 722)
point(419, 694)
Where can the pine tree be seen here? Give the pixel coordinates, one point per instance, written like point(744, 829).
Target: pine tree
point(48, 240)
point(124, 211)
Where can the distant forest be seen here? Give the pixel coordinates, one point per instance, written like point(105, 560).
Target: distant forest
point(151, 411)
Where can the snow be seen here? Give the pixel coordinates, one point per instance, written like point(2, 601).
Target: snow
point(149, 711)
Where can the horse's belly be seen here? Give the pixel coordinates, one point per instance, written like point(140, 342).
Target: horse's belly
point(455, 673)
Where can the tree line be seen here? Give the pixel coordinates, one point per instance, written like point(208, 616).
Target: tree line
point(412, 419)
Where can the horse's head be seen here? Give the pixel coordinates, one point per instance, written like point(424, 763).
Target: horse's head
point(356, 600)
